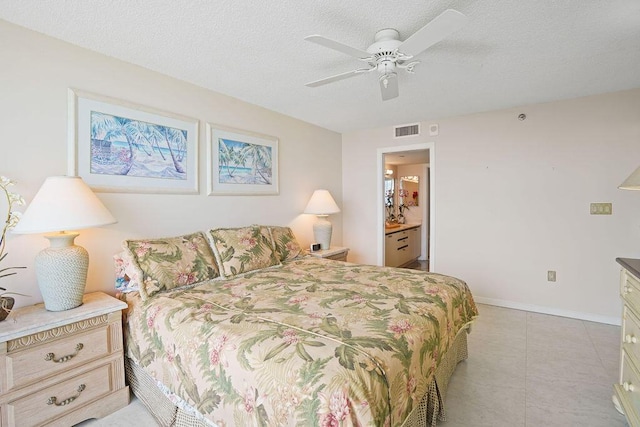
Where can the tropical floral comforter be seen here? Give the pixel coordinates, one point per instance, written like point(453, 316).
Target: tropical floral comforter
point(311, 343)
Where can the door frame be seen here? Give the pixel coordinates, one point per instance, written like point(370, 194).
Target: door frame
point(380, 230)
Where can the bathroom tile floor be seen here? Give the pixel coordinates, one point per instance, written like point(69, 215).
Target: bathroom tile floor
point(419, 265)
point(524, 369)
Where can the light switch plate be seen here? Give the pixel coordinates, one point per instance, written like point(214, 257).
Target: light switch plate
point(600, 209)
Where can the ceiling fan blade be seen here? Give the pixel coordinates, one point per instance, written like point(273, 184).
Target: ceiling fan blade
point(444, 24)
point(389, 86)
point(336, 78)
point(332, 44)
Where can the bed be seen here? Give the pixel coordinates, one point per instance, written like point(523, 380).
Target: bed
point(271, 337)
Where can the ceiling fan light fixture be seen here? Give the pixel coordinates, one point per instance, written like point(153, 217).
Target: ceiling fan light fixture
point(385, 78)
point(389, 86)
point(388, 51)
point(386, 67)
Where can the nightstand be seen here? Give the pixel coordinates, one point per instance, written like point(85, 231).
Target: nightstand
point(63, 367)
point(335, 253)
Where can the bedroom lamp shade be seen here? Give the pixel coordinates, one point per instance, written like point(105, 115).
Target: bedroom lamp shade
point(62, 204)
point(632, 182)
point(322, 205)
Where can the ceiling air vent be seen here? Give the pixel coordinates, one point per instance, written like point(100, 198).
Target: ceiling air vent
point(407, 130)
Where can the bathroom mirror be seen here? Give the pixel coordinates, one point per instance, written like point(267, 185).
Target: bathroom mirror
point(409, 190)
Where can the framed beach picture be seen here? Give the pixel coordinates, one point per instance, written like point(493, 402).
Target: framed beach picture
point(117, 146)
point(241, 162)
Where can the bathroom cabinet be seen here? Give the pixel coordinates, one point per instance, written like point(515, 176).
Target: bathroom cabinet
point(402, 245)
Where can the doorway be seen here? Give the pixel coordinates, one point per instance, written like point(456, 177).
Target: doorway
point(422, 154)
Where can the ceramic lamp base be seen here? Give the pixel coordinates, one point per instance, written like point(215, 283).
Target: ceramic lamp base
point(322, 230)
point(61, 270)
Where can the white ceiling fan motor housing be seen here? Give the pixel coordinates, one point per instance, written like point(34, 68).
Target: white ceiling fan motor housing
point(385, 40)
point(385, 50)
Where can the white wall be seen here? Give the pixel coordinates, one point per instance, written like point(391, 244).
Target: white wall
point(512, 201)
point(35, 74)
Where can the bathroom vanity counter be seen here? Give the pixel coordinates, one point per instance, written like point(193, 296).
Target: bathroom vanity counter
point(400, 227)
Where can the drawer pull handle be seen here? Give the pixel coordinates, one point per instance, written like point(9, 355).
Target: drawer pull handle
point(627, 289)
point(52, 357)
point(54, 401)
point(628, 386)
point(630, 339)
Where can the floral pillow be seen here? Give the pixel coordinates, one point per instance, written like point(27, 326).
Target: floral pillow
point(173, 262)
point(240, 250)
point(128, 277)
point(286, 245)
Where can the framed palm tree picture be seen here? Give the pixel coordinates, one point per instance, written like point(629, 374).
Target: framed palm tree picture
point(117, 146)
point(241, 162)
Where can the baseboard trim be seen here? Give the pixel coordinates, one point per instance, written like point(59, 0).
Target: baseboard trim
point(553, 311)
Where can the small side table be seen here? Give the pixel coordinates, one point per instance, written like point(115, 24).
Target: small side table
point(336, 253)
point(60, 368)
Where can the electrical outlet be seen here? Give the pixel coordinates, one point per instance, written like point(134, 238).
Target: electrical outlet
point(551, 276)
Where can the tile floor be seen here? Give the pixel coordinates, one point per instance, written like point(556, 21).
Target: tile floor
point(418, 265)
point(524, 369)
point(529, 369)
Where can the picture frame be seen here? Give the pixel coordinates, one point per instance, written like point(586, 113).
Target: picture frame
point(117, 146)
point(241, 162)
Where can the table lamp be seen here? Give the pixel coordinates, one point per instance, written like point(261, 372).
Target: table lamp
point(632, 182)
point(322, 205)
point(63, 203)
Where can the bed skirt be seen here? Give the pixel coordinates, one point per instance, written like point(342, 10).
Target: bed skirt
point(430, 410)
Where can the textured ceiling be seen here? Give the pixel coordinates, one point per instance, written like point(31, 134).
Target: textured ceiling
point(510, 53)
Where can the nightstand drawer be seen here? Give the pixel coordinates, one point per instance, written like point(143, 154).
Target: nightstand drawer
point(36, 362)
point(338, 257)
point(55, 401)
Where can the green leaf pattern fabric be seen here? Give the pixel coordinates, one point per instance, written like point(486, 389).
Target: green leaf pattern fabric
point(314, 343)
point(173, 262)
point(240, 250)
point(286, 245)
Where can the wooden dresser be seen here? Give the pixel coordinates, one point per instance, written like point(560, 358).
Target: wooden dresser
point(60, 368)
point(627, 392)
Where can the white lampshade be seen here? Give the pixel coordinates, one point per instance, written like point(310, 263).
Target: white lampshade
point(632, 182)
point(322, 204)
point(63, 203)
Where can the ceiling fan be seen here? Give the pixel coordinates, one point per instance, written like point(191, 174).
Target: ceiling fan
point(389, 53)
